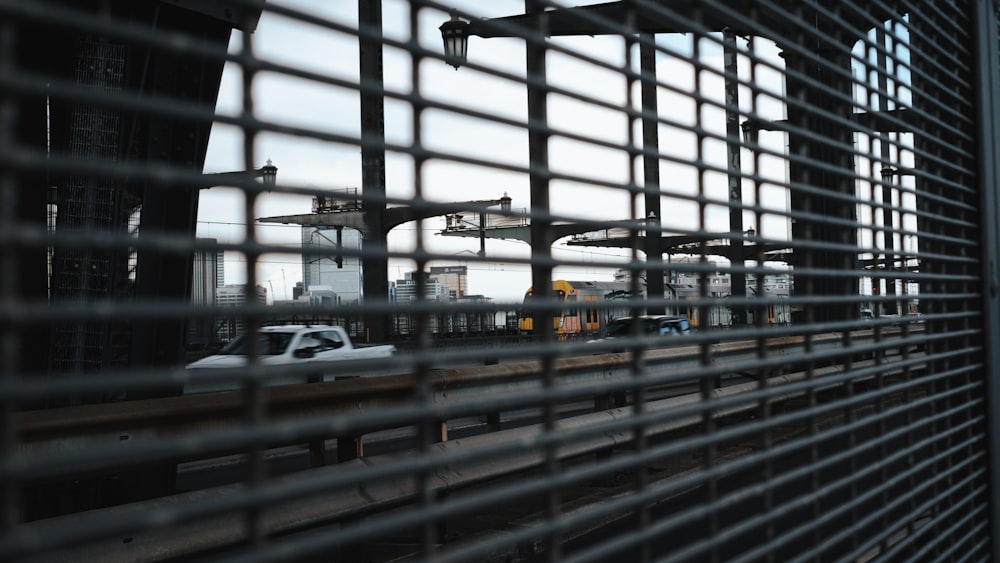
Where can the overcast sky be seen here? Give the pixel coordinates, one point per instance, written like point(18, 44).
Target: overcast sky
point(330, 166)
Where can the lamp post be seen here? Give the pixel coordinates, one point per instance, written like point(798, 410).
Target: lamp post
point(738, 284)
point(455, 222)
point(269, 177)
point(267, 173)
point(165, 274)
point(455, 34)
point(505, 202)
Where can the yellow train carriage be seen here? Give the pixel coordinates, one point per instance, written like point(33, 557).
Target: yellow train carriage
point(586, 306)
point(566, 320)
point(572, 320)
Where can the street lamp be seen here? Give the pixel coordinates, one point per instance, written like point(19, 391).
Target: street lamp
point(505, 204)
point(269, 173)
point(887, 174)
point(750, 131)
point(455, 33)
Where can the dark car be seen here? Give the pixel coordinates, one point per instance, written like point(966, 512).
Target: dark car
point(648, 325)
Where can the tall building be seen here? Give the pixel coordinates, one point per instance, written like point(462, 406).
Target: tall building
point(207, 272)
point(324, 265)
point(406, 289)
point(237, 294)
point(454, 279)
point(234, 296)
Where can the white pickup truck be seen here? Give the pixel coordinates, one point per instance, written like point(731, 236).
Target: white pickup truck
point(286, 345)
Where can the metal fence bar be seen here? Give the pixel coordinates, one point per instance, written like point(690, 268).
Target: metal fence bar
point(798, 196)
point(988, 68)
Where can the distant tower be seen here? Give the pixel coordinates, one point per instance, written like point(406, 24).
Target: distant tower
point(406, 289)
point(235, 296)
point(332, 269)
point(207, 276)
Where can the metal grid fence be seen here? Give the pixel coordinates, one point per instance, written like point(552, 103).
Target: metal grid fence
point(806, 189)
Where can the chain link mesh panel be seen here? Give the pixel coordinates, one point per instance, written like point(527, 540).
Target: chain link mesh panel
point(637, 280)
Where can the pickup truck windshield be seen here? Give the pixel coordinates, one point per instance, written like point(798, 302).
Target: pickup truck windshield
point(269, 344)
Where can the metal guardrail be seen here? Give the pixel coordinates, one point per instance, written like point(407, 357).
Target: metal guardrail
point(505, 385)
point(475, 461)
point(788, 176)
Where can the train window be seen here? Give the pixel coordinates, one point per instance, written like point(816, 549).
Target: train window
point(592, 316)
